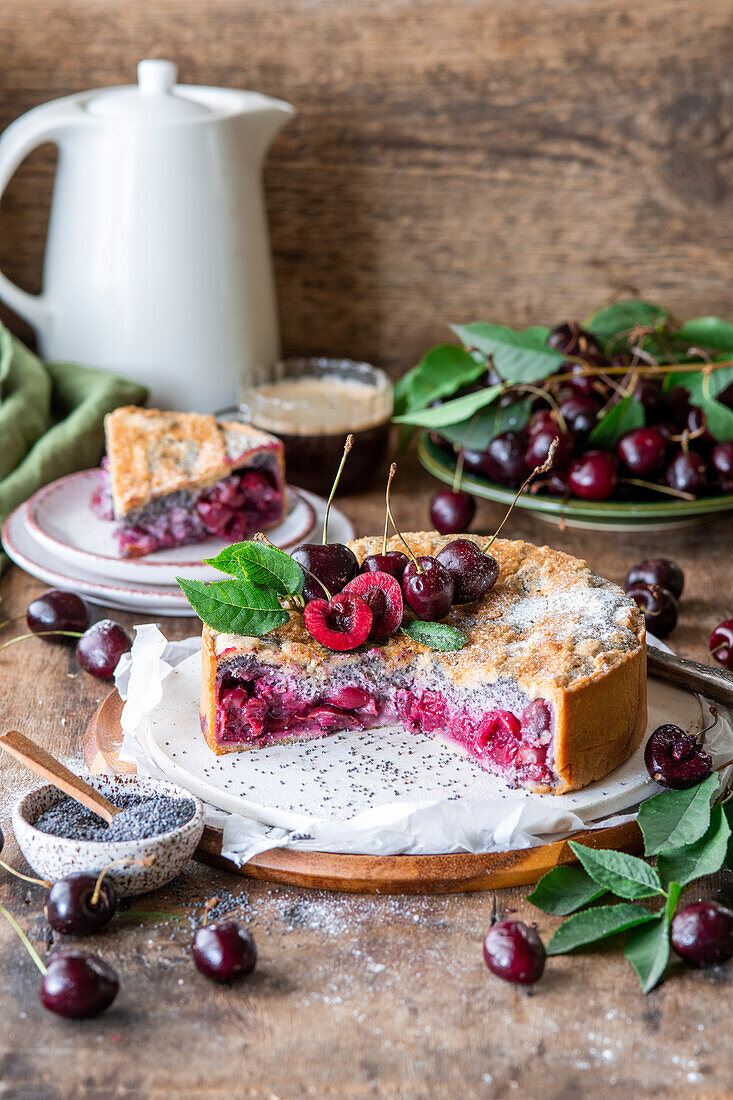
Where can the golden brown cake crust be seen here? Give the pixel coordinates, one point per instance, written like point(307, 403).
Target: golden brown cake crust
point(550, 623)
point(153, 453)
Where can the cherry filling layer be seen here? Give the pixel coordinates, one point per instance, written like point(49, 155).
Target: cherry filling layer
point(246, 501)
point(269, 707)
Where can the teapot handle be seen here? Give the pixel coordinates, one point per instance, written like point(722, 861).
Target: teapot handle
point(19, 138)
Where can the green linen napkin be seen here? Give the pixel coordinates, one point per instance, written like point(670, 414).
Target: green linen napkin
point(51, 420)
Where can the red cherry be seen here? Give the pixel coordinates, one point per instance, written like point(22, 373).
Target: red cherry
point(78, 985)
point(429, 589)
point(721, 643)
point(593, 476)
point(452, 512)
point(383, 595)
point(702, 933)
point(224, 951)
point(643, 450)
point(539, 447)
point(514, 952)
point(675, 760)
point(392, 562)
point(341, 623)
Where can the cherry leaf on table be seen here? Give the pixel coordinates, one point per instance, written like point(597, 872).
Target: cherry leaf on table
point(440, 372)
point(704, 857)
point(261, 565)
point(435, 635)
point(624, 875)
point(452, 412)
point(647, 949)
point(675, 818)
point(622, 418)
point(564, 889)
point(517, 356)
point(591, 925)
point(235, 606)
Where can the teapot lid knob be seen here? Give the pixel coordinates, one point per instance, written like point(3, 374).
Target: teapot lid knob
point(156, 77)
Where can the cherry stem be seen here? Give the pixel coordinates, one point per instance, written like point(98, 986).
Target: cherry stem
point(347, 447)
point(712, 652)
point(24, 939)
point(392, 472)
point(148, 861)
point(15, 619)
point(26, 878)
point(667, 490)
point(722, 767)
point(41, 634)
point(543, 469)
point(458, 473)
point(208, 906)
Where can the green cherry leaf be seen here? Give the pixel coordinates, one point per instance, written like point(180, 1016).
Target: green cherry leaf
point(727, 807)
point(518, 356)
point(621, 317)
point(476, 434)
point(452, 412)
point(675, 818)
point(261, 565)
point(624, 875)
point(596, 924)
point(564, 889)
point(704, 857)
point(707, 332)
point(440, 372)
point(719, 419)
point(647, 949)
point(622, 418)
point(235, 606)
point(435, 635)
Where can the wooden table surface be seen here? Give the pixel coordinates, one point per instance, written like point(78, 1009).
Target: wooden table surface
point(352, 996)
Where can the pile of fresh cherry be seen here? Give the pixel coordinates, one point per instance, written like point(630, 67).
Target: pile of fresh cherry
point(347, 604)
point(672, 454)
point(57, 616)
point(78, 984)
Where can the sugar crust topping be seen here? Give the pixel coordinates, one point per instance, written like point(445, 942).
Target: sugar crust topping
point(152, 453)
point(549, 620)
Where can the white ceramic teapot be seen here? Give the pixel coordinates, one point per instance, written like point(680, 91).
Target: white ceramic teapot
point(157, 259)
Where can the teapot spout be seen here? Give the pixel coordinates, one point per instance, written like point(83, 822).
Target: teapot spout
point(263, 118)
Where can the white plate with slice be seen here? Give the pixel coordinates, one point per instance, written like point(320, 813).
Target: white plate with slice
point(34, 556)
point(336, 777)
point(60, 517)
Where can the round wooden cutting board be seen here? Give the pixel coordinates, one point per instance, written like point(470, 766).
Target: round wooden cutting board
point(439, 874)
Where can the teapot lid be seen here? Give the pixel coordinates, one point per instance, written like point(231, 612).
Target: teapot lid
point(155, 97)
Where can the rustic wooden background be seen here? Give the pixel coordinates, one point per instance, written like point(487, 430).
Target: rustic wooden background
point(509, 160)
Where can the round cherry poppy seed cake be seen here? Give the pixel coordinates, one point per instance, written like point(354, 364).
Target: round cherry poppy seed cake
point(549, 692)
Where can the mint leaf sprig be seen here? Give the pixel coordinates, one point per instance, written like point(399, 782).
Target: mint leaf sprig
point(263, 587)
point(689, 836)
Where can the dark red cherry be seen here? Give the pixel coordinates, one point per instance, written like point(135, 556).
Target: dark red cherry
point(569, 338)
point(593, 476)
point(224, 951)
point(69, 908)
point(580, 414)
point(542, 421)
point(78, 985)
point(688, 472)
point(513, 951)
point(702, 933)
point(658, 606)
point(504, 459)
point(99, 649)
point(642, 451)
point(556, 482)
point(393, 562)
point(473, 461)
point(382, 594)
point(721, 643)
point(451, 512)
point(57, 610)
point(649, 392)
point(539, 448)
point(661, 571)
point(341, 623)
point(726, 397)
point(678, 402)
point(675, 759)
point(332, 563)
point(473, 572)
point(429, 590)
point(722, 459)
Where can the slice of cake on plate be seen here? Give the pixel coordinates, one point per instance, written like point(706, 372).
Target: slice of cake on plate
point(549, 691)
point(175, 478)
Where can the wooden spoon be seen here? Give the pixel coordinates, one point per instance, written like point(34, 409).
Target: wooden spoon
point(42, 763)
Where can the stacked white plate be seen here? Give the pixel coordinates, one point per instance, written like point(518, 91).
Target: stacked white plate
point(57, 537)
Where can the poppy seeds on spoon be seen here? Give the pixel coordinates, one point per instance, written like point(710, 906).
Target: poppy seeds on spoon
point(140, 819)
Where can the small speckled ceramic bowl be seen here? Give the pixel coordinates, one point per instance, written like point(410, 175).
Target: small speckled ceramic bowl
point(53, 857)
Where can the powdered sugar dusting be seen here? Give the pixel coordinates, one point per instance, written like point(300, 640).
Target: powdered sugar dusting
point(576, 613)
